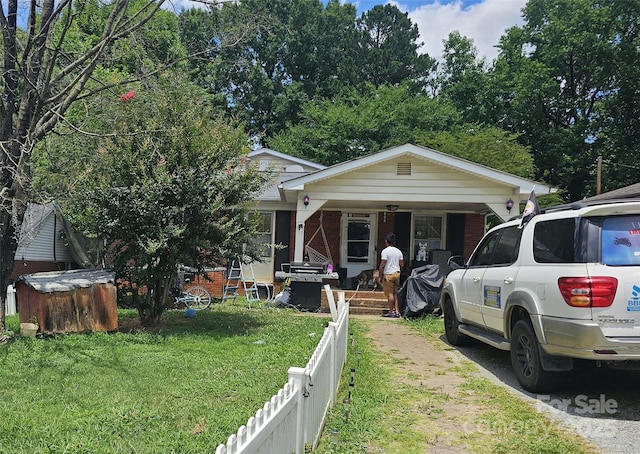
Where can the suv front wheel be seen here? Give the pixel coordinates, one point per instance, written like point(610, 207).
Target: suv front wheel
point(526, 361)
point(451, 323)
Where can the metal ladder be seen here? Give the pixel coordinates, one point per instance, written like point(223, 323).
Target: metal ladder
point(241, 275)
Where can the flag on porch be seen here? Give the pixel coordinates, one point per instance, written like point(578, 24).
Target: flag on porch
point(530, 209)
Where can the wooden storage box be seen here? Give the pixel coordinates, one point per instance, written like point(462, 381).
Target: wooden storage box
point(68, 301)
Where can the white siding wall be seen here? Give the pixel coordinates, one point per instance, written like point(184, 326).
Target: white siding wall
point(380, 182)
point(41, 246)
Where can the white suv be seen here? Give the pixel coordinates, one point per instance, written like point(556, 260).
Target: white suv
point(564, 286)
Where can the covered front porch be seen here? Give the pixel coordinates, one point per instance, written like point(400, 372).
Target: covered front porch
point(436, 204)
point(433, 202)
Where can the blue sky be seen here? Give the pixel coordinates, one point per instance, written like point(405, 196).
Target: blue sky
point(365, 5)
point(484, 21)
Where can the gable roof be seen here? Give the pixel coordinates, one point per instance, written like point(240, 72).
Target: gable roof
point(42, 225)
point(631, 191)
point(285, 168)
point(273, 155)
point(475, 170)
point(34, 219)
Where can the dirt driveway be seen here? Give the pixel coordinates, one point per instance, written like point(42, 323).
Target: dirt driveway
point(422, 363)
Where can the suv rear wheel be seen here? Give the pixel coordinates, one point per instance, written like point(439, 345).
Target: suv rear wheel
point(525, 359)
point(451, 324)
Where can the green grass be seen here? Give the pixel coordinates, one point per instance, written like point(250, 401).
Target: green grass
point(384, 411)
point(188, 385)
point(181, 388)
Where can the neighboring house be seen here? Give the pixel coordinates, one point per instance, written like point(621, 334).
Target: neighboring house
point(627, 192)
point(46, 242)
point(343, 212)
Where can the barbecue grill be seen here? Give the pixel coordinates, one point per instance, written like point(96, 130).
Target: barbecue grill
point(305, 282)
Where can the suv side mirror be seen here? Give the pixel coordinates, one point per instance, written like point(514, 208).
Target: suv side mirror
point(455, 262)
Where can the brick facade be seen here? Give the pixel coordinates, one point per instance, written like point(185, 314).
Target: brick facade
point(214, 285)
point(473, 231)
point(474, 227)
point(331, 226)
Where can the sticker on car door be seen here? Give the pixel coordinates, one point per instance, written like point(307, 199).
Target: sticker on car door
point(492, 296)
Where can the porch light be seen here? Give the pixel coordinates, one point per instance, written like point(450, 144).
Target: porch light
point(509, 205)
point(392, 207)
point(305, 200)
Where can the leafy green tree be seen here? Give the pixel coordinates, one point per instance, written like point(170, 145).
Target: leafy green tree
point(357, 124)
point(338, 43)
point(169, 188)
point(285, 52)
point(390, 46)
point(43, 74)
point(554, 76)
point(226, 58)
point(462, 78)
point(618, 140)
point(294, 51)
point(488, 145)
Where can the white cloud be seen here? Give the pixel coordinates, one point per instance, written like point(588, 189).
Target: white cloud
point(484, 22)
point(178, 5)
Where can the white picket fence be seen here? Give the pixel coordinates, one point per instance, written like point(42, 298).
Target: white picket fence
point(295, 416)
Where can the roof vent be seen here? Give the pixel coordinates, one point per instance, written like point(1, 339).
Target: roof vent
point(403, 168)
point(294, 168)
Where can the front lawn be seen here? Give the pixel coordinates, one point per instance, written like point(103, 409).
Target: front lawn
point(183, 387)
point(189, 384)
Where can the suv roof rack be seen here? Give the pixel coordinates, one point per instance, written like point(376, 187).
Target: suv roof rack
point(586, 203)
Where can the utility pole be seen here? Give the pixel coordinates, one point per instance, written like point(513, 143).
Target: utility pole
point(599, 175)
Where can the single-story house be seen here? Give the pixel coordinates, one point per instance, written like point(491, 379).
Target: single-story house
point(342, 213)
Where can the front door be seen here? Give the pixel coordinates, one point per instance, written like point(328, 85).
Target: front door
point(358, 242)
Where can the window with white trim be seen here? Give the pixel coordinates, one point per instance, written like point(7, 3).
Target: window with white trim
point(264, 240)
point(427, 230)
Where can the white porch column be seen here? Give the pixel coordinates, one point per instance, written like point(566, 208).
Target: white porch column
point(304, 212)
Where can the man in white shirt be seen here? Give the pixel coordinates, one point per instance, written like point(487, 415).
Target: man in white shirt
point(391, 262)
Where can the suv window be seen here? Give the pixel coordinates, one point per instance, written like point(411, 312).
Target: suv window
point(621, 240)
point(498, 248)
point(554, 241)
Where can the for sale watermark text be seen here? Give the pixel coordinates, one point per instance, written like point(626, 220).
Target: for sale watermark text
point(580, 404)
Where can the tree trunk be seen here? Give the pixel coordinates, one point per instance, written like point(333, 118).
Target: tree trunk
point(153, 307)
point(13, 205)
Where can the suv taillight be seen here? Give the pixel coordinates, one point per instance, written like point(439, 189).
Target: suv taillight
point(596, 291)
